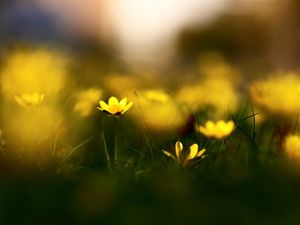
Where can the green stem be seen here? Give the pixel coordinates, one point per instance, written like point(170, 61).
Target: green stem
point(116, 149)
point(106, 152)
point(222, 144)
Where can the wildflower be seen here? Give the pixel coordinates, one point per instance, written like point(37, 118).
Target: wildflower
point(182, 159)
point(29, 99)
point(277, 95)
point(40, 69)
point(158, 111)
point(291, 146)
point(35, 79)
point(218, 130)
point(86, 101)
point(125, 84)
point(114, 106)
point(212, 65)
point(223, 96)
point(218, 78)
point(156, 96)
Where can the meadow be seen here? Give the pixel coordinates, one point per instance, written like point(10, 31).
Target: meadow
point(85, 140)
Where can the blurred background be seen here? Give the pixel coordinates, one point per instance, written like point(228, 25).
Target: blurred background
point(143, 31)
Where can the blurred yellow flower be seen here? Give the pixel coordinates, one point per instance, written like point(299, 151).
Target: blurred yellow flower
point(156, 95)
point(278, 94)
point(182, 159)
point(157, 110)
point(29, 77)
point(32, 126)
point(222, 95)
point(213, 65)
point(86, 101)
point(218, 130)
point(125, 84)
point(35, 70)
point(114, 106)
point(29, 99)
point(291, 146)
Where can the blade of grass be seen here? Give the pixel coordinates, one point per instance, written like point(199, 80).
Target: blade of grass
point(249, 137)
point(296, 124)
point(54, 146)
point(77, 148)
point(253, 123)
point(248, 117)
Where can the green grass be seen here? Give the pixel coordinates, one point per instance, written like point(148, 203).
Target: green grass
point(242, 180)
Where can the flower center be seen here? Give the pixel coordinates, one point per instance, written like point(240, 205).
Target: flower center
point(114, 109)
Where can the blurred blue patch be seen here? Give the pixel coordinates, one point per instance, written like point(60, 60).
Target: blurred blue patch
point(24, 21)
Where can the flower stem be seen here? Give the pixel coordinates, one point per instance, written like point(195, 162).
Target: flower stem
point(222, 144)
point(116, 149)
point(106, 152)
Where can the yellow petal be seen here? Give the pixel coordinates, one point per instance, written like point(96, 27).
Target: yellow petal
point(42, 97)
point(200, 153)
point(127, 107)
point(20, 101)
point(113, 101)
point(206, 132)
point(168, 154)
point(221, 123)
point(103, 105)
point(178, 148)
point(229, 127)
point(193, 151)
point(210, 124)
point(29, 99)
point(123, 102)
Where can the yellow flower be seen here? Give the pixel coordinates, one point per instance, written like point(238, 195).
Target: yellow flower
point(218, 130)
point(86, 101)
point(212, 65)
point(184, 160)
point(157, 96)
point(125, 84)
point(223, 96)
point(158, 111)
point(35, 79)
point(291, 146)
point(277, 95)
point(29, 99)
point(34, 70)
point(114, 106)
